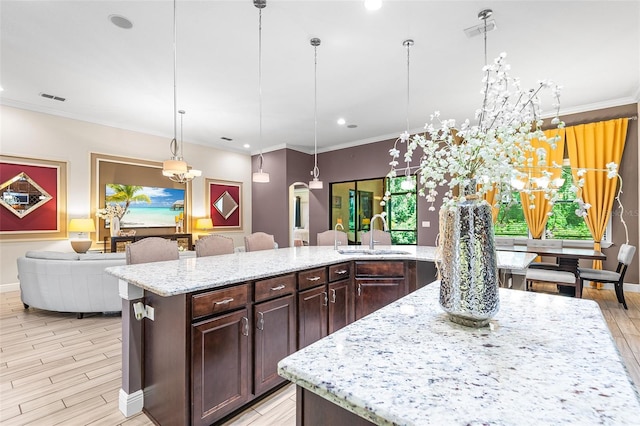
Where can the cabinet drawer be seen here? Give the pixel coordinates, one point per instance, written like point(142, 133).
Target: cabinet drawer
point(380, 269)
point(312, 278)
point(272, 287)
point(339, 272)
point(218, 301)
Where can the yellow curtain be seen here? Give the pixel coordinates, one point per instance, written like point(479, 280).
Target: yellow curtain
point(536, 218)
point(490, 197)
point(592, 146)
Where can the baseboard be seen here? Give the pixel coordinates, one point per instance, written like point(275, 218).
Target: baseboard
point(628, 287)
point(4, 288)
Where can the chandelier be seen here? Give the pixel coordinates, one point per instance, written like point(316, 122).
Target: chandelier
point(176, 168)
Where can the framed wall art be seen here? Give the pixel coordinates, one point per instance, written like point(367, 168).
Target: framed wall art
point(224, 204)
point(33, 200)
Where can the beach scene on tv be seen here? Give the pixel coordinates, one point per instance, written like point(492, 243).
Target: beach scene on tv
point(145, 206)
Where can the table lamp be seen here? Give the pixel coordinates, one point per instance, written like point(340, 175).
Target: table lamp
point(204, 223)
point(81, 226)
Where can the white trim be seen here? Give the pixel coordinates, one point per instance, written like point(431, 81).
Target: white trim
point(129, 291)
point(5, 288)
point(130, 404)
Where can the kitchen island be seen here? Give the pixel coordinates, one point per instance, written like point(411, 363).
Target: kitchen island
point(212, 329)
point(543, 359)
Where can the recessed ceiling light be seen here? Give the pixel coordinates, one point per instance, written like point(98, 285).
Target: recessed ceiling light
point(372, 4)
point(341, 121)
point(120, 21)
point(246, 145)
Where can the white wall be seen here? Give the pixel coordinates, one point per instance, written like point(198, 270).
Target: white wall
point(31, 134)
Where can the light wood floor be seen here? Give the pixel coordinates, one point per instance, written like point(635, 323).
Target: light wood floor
point(56, 369)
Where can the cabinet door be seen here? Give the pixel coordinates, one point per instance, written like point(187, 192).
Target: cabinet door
point(312, 315)
point(375, 293)
point(220, 354)
point(275, 338)
point(340, 304)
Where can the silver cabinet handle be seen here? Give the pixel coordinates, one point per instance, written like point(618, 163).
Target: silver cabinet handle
point(313, 278)
point(224, 302)
point(325, 300)
point(341, 272)
point(245, 326)
point(280, 287)
point(260, 322)
point(359, 289)
point(333, 295)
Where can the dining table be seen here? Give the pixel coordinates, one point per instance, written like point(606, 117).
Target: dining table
point(568, 258)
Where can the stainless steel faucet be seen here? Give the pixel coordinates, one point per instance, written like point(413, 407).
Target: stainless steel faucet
point(335, 235)
point(384, 226)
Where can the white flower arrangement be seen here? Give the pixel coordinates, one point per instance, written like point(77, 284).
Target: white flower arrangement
point(491, 153)
point(110, 211)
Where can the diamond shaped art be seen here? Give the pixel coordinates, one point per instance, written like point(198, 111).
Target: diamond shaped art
point(21, 195)
point(225, 205)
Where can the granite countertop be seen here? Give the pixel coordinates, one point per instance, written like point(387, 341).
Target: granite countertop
point(188, 275)
point(406, 364)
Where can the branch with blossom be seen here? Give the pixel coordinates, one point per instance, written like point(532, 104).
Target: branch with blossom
point(111, 210)
point(489, 153)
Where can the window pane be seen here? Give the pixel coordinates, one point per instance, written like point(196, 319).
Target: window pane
point(511, 219)
point(403, 237)
point(403, 212)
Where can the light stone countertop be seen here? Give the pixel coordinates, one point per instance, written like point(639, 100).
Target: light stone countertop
point(544, 359)
point(194, 274)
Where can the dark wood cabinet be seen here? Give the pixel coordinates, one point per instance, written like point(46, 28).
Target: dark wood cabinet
point(220, 366)
point(209, 353)
point(274, 339)
point(377, 284)
point(312, 315)
point(328, 306)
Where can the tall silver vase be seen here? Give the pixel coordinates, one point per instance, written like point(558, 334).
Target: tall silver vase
point(468, 264)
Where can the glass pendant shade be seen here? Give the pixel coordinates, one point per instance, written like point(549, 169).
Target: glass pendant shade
point(174, 167)
point(315, 183)
point(260, 177)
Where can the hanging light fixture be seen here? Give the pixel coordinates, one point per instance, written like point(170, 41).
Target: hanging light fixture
point(260, 176)
point(176, 168)
point(407, 182)
point(316, 183)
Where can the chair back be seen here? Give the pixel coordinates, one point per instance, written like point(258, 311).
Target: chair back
point(259, 241)
point(504, 243)
point(327, 238)
point(555, 244)
point(380, 237)
point(151, 249)
point(213, 245)
point(625, 255)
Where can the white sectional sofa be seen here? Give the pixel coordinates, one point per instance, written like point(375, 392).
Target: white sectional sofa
point(71, 282)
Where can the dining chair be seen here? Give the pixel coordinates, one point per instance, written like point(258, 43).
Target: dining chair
point(380, 237)
point(259, 241)
point(552, 276)
point(213, 245)
point(151, 249)
point(625, 256)
point(553, 244)
point(329, 237)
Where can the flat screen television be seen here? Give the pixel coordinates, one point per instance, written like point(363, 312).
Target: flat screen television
point(150, 206)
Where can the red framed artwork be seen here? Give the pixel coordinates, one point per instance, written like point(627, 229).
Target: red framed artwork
point(224, 201)
point(32, 198)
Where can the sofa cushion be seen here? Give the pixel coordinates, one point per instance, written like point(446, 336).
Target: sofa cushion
point(52, 255)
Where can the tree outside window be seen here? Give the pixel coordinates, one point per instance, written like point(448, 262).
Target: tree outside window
point(401, 211)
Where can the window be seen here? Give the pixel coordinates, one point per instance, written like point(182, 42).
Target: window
point(563, 224)
point(354, 203)
point(401, 211)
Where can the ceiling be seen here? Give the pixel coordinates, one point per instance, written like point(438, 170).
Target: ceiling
point(124, 77)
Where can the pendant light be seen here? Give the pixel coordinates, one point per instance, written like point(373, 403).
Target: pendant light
point(260, 176)
point(176, 168)
point(407, 182)
point(316, 183)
